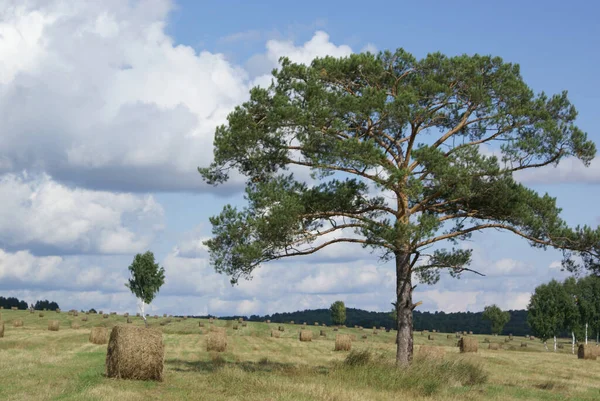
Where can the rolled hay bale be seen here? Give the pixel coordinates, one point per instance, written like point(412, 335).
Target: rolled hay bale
point(75, 313)
point(494, 346)
point(211, 320)
point(560, 346)
point(323, 325)
point(468, 344)
point(291, 322)
point(53, 325)
point(275, 333)
point(304, 324)
point(268, 321)
point(135, 353)
point(240, 320)
point(75, 326)
point(17, 323)
point(343, 342)
point(99, 335)
point(31, 311)
point(364, 336)
point(40, 314)
point(587, 351)
point(84, 318)
point(137, 315)
point(507, 340)
point(129, 320)
point(235, 327)
point(281, 328)
point(316, 323)
point(100, 312)
point(458, 335)
point(1, 329)
point(164, 315)
point(14, 308)
point(306, 335)
point(322, 333)
point(470, 333)
point(335, 329)
point(486, 340)
point(464, 333)
point(426, 331)
point(216, 341)
point(449, 336)
point(244, 324)
point(356, 326)
point(430, 337)
point(523, 345)
point(104, 316)
point(200, 324)
point(531, 338)
point(430, 352)
point(434, 331)
point(375, 332)
point(113, 313)
point(156, 316)
point(510, 336)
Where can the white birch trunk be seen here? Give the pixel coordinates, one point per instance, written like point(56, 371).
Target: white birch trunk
point(573, 343)
point(143, 313)
point(546, 345)
point(554, 343)
point(586, 326)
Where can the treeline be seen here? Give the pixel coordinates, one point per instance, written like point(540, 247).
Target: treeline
point(12, 302)
point(444, 322)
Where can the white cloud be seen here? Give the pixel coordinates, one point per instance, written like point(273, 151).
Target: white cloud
point(39, 212)
point(569, 170)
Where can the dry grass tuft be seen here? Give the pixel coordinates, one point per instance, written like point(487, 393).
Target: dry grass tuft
point(1, 329)
point(53, 325)
point(343, 342)
point(216, 341)
point(75, 326)
point(468, 344)
point(99, 335)
point(135, 353)
point(587, 351)
point(275, 333)
point(217, 329)
point(322, 333)
point(17, 323)
point(306, 335)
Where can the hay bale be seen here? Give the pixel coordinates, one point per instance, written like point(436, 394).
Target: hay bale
point(268, 321)
point(464, 333)
point(335, 329)
point(306, 335)
point(434, 331)
point(53, 325)
point(100, 312)
point(75, 326)
point(468, 344)
point(17, 323)
point(449, 336)
point(31, 311)
point(135, 353)
point(494, 346)
point(304, 324)
point(240, 320)
point(430, 352)
point(1, 329)
point(430, 337)
point(275, 333)
point(14, 308)
point(129, 320)
point(216, 341)
point(560, 346)
point(364, 336)
point(244, 324)
point(40, 314)
point(235, 327)
point(322, 333)
point(323, 325)
point(375, 332)
point(104, 316)
point(84, 318)
point(587, 351)
point(156, 316)
point(507, 340)
point(486, 340)
point(113, 313)
point(137, 315)
point(200, 324)
point(531, 338)
point(343, 342)
point(291, 322)
point(470, 333)
point(281, 328)
point(523, 345)
point(99, 335)
point(164, 315)
point(211, 320)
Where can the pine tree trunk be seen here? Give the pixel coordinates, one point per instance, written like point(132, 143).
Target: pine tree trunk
point(404, 310)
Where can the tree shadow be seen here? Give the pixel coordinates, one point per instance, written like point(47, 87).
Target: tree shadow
point(263, 365)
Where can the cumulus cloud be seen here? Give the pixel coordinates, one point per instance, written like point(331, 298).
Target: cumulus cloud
point(38, 213)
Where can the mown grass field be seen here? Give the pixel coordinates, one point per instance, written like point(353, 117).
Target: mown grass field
point(37, 364)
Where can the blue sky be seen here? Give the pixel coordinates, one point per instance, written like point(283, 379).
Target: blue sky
point(107, 108)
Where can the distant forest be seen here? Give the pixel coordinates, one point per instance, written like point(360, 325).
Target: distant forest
point(11, 302)
point(441, 321)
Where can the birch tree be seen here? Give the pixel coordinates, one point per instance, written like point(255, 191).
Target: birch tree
point(146, 279)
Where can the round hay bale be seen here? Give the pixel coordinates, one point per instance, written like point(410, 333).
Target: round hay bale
point(100, 312)
point(464, 333)
point(291, 322)
point(560, 346)
point(323, 325)
point(1, 329)
point(494, 346)
point(31, 311)
point(75, 326)
point(468, 344)
point(244, 324)
point(434, 331)
point(335, 329)
point(240, 320)
point(235, 327)
point(507, 340)
point(531, 338)
point(104, 316)
point(164, 315)
point(275, 333)
point(40, 314)
point(364, 336)
point(17, 323)
point(211, 320)
point(113, 313)
point(216, 341)
point(449, 336)
point(375, 332)
point(156, 316)
point(430, 352)
point(342, 342)
point(458, 335)
point(510, 337)
point(430, 337)
point(306, 335)
point(53, 325)
point(486, 340)
point(587, 351)
point(135, 353)
point(200, 324)
point(281, 328)
point(470, 333)
point(137, 315)
point(84, 318)
point(99, 335)
point(322, 333)
point(523, 345)
point(268, 321)
point(304, 324)
point(14, 308)
point(129, 320)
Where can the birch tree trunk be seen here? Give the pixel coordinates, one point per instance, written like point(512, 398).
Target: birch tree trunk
point(586, 326)
point(573, 343)
point(554, 343)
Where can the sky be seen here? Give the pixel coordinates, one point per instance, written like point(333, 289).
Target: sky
point(107, 109)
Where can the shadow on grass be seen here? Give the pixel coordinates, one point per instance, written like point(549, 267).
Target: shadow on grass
point(264, 366)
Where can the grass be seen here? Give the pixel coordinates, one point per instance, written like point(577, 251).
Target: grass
point(36, 364)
